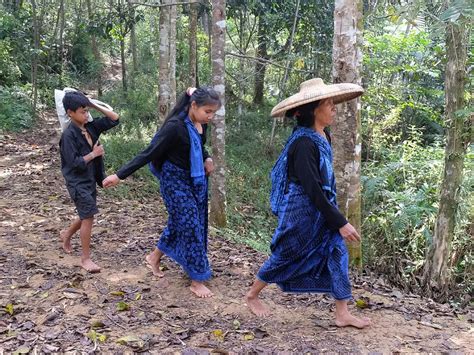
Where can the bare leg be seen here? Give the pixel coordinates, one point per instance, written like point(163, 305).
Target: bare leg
point(256, 306)
point(345, 319)
point(153, 259)
point(67, 234)
point(200, 290)
point(86, 230)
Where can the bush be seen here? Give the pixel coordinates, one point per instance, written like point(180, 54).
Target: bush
point(15, 109)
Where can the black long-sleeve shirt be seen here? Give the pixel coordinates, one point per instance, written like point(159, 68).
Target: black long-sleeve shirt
point(303, 169)
point(172, 144)
point(74, 146)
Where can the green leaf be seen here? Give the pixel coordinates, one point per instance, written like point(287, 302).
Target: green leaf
point(117, 293)
point(94, 336)
point(131, 340)
point(9, 309)
point(122, 306)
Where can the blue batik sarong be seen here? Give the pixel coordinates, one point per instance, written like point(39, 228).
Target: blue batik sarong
point(306, 256)
point(185, 237)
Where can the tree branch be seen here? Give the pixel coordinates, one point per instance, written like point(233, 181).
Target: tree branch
point(266, 61)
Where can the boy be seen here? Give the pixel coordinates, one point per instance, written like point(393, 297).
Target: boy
point(82, 166)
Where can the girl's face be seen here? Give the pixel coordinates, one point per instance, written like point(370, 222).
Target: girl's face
point(325, 112)
point(202, 114)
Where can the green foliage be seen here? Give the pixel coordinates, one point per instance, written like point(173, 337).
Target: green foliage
point(15, 109)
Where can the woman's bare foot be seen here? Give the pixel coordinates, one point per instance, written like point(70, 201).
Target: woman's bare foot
point(66, 242)
point(348, 320)
point(90, 266)
point(200, 290)
point(154, 263)
point(256, 306)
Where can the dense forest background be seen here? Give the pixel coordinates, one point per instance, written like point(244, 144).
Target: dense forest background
point(138, 56)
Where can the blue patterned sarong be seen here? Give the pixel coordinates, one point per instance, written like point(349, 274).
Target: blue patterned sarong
point(185, 237)
point(306, 256)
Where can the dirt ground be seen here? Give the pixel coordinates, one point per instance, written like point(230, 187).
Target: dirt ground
point(49, 304)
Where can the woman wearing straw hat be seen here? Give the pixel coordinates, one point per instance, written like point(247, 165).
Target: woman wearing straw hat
point(308, 253)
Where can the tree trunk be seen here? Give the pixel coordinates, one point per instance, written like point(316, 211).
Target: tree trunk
point(347, 61)
point(260, 67)
point(133, 47)
point(193, 16)
point(218, 193)
point(164, 61)
point(34, 59)
point(436, 272)
point(96, 52)
point(172, 41)
point(124, 68)
point(61, 40)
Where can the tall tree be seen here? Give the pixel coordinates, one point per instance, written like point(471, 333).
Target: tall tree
point(164, 88)
point(260, 67)
point(172, 42)
point(95, 50)
point(218, 191)
point(35, 60)
point(436, 272)
point(133, 41)
point(193, 18)
point(347, 60)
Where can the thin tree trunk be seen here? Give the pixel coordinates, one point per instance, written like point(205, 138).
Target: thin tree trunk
point(287, 68)
point(133, 47)
point(34, 61)
point(61, 40)
point(436, 272)
point(96, 52)
point(124, 68)
point(193, 14)
point(164, 89)
point(260, 67)
point(218, 193)
point(172, 41)
point(347, 61)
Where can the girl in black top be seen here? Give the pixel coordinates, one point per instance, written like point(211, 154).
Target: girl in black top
point(177, 157)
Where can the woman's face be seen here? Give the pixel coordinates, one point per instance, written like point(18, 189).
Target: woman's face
point(202, 114)
point(325, 112)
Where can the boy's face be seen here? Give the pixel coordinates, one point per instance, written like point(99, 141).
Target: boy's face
point(80, 116)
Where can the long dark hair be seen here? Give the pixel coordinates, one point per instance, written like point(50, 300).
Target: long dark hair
point(304, 114)
point(203, 95)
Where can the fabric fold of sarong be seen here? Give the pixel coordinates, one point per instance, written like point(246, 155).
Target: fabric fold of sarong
point(185, 237)
point(305, 255)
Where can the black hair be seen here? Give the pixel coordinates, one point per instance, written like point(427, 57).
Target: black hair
point(203, 95)
point(304, 114)
point(74, 100)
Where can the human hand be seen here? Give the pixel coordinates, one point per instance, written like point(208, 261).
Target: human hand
point(208, 166)
point(98, 150)
point(349, 233)
point(110, 181)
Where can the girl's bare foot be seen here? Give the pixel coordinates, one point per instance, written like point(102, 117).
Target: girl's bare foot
point(348, 320)
point(200, 290)
point(66, 242)
point(154, 263)
point(256, 306)
point(90, 266)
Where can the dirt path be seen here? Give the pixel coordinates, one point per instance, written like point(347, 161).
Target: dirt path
point(49, 304)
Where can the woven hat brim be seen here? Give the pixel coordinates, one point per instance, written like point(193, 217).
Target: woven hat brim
point(338, 92)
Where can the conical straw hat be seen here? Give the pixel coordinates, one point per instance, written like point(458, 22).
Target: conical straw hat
point(314, 90)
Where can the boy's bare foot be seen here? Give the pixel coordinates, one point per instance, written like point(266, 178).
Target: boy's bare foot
point(256, 306)
point(348, 320)
point(90, 266)
point(154, 264)
point(200, 290)
point(66, 242)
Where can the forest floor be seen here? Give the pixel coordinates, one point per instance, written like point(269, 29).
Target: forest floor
point(50, 304)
